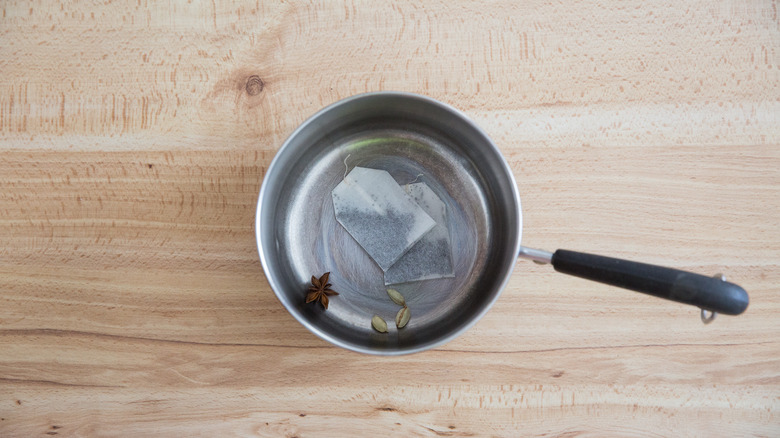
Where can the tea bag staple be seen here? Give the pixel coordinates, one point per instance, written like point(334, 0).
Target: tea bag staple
point(431, 257)
point(379, 214)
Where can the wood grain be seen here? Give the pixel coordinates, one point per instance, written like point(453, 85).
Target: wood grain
point(134, 137)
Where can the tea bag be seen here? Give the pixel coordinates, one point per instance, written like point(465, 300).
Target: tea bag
point(381, 217)
point(431, 257)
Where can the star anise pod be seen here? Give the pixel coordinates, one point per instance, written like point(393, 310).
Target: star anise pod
point(320, 290)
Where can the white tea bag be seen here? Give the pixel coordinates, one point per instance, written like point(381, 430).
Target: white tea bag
point(431, 257)
point(376, 211)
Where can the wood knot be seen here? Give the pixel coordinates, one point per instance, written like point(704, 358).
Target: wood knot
point(254, 85)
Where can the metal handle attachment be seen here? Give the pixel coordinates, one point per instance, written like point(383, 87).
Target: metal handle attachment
point(537, 255)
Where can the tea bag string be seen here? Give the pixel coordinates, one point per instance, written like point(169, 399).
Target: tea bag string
point(408, 186)
point(346, 168)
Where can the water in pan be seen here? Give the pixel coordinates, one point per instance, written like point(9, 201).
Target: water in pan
point(311, 242)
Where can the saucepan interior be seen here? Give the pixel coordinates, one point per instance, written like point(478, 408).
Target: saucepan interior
point(415, 139)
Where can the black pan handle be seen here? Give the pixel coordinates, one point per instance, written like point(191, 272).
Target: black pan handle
point(708, 293)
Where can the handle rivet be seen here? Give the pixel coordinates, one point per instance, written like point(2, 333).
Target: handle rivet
point(707, 316)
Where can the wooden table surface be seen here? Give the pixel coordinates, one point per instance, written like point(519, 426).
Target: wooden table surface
point(134, 137)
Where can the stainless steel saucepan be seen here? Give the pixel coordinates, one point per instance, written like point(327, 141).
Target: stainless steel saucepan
point(416, 138)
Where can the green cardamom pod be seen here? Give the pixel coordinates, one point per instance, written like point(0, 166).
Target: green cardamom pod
point(379, 324)
point(402, 317)
point(396, 297)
